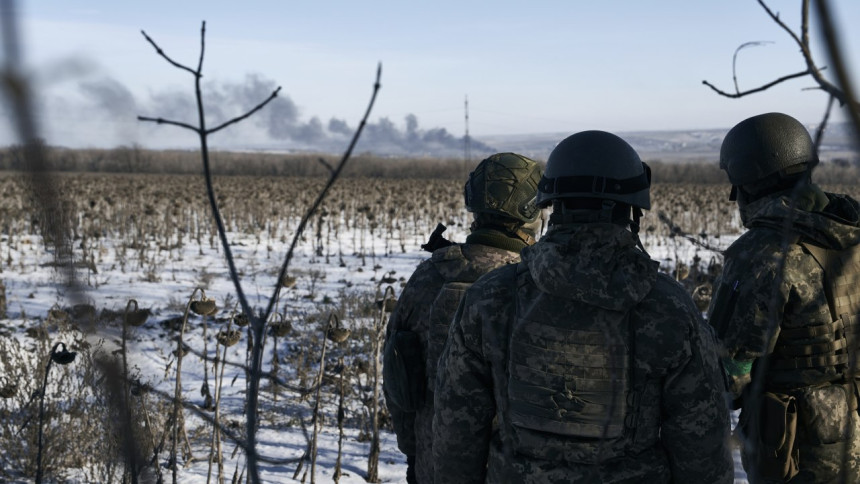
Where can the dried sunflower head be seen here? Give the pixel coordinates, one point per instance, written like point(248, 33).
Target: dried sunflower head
point(63, 356)
point(204, 307)
point(136, 317)
point(9, 390)
point(282, 328)
point(241, 320)
point(387, 305)
point(338, 335)
point(228, 337)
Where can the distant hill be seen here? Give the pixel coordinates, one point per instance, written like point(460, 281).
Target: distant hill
point(669, 146)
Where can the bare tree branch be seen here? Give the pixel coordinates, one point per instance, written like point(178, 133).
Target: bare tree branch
point(837, 59)
point(252, 111)
point(160, 52)
point(257, 326)
point(326, 165)
point(167, 121)
point(819, 132)
point(758, 89)
point(334, 175)
point(775, 18)
point(802, 42)
point(202, 49)
point(755, 43)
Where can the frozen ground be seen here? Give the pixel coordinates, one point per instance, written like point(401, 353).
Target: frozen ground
point(163, 280)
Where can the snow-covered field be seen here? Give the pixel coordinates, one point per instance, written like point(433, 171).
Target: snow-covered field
point(347, 280)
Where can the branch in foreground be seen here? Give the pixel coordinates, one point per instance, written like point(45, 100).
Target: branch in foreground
point(252, 111)
point(160, 52)
point(758, 89)
point(257, 350)
point(167, 121)
point(334, 176)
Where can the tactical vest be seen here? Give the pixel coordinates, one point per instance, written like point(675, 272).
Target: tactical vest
point(832, 344)
point(439, 321)
point(570, 378)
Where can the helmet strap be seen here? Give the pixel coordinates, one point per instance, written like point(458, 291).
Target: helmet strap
point(634, 224)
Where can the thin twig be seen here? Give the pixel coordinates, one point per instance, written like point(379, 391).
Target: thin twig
point(838, 60)
point(167, 121)
point(252, 111)
point(257, 351)
point(755, 43)
point(758, 89)
point(819, 132)
point(160, 52)
point(334, 176)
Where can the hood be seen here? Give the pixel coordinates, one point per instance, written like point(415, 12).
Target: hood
point(835, 226)
point(598, 264)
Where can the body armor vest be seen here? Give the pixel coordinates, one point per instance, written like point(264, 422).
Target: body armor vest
point(441, 314)
point(570, 377)
point(832, 344)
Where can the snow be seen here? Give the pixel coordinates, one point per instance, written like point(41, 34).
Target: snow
point(163, 280)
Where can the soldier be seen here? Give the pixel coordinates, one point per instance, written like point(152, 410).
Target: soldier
point(786, 308)
point(582, 363)
point(500, 192)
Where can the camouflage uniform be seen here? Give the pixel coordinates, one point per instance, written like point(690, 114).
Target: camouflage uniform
point(462, 263)
point(673, 424)
point(762, 283)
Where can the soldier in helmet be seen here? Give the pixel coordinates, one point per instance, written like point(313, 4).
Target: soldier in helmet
point(582, 363)
point(500, 192)
point(786, 308)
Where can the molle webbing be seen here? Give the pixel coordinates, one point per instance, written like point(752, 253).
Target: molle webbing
point(841, 278)
point(569, 373)
point(833, 344)
point(441, 313)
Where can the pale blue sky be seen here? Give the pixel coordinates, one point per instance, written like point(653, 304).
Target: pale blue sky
point(526, 67)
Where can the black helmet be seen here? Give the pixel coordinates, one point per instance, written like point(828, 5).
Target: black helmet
point(765, 145)
point(595, 164)
point(504, 184)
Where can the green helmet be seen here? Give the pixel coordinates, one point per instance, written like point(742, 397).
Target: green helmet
point(504, 184)
point(765, 145)
point(595, 164)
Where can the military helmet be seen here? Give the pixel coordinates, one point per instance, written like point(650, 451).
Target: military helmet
point(765, 145)
point(504, 184)
point(595, 164)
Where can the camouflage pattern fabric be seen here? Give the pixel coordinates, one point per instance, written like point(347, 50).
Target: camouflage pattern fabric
point(676, 429)
point(459, 262)
point(828, 433)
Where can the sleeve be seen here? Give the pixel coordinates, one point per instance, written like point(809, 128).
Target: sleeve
point(749, 304)
point(695, 428)
point(464, 404)
point(412, 306)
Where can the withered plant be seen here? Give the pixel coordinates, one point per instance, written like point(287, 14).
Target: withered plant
point(257, 321)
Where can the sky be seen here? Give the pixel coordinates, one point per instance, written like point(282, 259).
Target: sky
point(542, 67)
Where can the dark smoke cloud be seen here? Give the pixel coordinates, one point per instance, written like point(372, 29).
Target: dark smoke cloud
point(278, 126)
point(110, 107)
point(109, 96)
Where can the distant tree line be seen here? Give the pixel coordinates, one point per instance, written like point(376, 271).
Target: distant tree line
point(135, 159)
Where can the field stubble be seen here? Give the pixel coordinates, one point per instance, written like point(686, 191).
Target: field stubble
point(151, 238)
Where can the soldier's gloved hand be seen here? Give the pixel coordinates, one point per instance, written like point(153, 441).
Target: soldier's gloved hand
point(410, 470)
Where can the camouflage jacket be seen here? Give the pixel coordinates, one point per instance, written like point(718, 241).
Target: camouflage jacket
point(772, 287)
point(677, 426)
point(459, 262)
point(761, 282)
